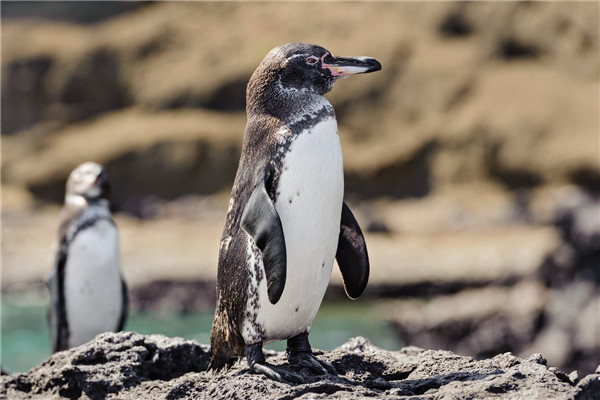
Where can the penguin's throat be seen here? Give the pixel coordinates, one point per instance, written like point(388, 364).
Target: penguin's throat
point(75, 200)
point(310, 112)
point(78, 200)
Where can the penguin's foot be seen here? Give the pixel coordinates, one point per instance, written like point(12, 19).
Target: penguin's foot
point(257, 363)
point(309, 360)
point(299, 353)
point(276, 373)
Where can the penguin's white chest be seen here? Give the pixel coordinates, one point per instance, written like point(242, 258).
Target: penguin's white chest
point(93, 294)
point(309, 204)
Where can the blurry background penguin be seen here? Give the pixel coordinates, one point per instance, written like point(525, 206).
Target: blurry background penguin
point(88, 293)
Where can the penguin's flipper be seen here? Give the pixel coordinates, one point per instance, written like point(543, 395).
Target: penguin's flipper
point(261, 221)
point(51, 281)
point(57, 317)
point(352, 256)
point(125, 307)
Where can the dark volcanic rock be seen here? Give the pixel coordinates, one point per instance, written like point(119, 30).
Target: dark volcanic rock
point(131, 366)
point(112, 363)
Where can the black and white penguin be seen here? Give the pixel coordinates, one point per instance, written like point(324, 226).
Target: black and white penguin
point(88, 295)
point(287, 219)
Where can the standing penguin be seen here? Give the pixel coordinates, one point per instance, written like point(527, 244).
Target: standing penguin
point(287, 219)
point(88, 295)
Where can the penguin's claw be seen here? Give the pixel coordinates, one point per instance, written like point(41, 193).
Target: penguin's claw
point(309, 360)
point(276, 373)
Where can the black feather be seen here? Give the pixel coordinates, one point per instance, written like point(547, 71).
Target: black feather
point(261, 221)
point(352, 256)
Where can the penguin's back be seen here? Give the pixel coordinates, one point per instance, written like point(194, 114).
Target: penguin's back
point(92, 282)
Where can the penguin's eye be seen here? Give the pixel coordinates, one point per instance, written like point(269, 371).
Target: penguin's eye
point(312, 60)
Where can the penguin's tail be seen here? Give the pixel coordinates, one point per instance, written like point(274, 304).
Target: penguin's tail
point(226, 346)
point(219, 361)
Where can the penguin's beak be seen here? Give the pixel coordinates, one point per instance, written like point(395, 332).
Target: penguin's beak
point(346, 66)
point(101, 178)
point(102, 183)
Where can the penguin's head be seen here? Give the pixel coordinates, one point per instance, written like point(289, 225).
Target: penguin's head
point(308, 67)
point(90, 181)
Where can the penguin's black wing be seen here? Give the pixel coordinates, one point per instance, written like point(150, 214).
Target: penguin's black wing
point(261, 221)
point(352, 256)
point(125, 307)
point(57, 317)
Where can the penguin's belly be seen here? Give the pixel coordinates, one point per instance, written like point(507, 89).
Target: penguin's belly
point(309, 204)
point(93, 294)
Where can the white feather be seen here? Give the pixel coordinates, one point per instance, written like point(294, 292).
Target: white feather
point(249, 332)
point(311, 189)
point(93, 283)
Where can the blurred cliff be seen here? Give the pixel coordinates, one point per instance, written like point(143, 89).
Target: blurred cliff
point(472, 159)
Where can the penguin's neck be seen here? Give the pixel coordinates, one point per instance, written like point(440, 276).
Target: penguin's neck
point(78, 201)
point(310, 111)
point(295, 108)
point(271, 97)
point(84, 216)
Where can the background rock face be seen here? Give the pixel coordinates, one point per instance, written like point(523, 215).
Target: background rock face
point(131, 366)
point(471, 159)
point(470, 92)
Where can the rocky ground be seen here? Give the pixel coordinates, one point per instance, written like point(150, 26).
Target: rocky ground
point(131, 366)
point(471, 159)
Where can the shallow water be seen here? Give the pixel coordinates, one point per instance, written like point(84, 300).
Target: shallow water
point(25, 340)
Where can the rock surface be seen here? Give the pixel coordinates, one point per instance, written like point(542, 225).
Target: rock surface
point(127, 365)
point(482, 322)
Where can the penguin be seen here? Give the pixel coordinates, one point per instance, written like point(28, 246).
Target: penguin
point(88, 295)
point(287, 220)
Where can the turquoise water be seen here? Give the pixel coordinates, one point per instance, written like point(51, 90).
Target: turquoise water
point(25, 337)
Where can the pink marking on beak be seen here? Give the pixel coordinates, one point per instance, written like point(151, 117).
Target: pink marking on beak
point(334, 70)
